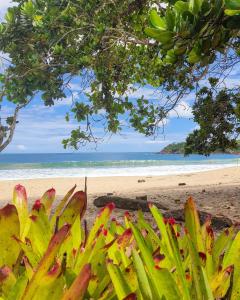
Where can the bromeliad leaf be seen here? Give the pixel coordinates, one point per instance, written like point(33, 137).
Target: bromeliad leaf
point(20, 201)
point(7, 280)
point(192, 224)
point(61, 205)
point(142, 277)
point(119, 282)
point(9, 228)
point(76, 207)
point(101, 220)
point(47, 200)
point(46, 262)
point(80, 284)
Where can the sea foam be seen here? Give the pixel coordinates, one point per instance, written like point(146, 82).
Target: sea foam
point(160, 170)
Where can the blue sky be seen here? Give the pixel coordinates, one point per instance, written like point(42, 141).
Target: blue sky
point(41, 129)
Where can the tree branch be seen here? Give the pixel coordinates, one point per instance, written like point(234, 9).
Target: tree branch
point(11, 128)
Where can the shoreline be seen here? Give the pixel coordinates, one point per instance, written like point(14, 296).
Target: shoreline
point(114, 171)
point(216, 191)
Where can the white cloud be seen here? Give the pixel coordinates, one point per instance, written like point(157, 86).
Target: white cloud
point(147, 92)
point(68, 101)
point(228, 82)
point(196, 127)
point(21, 147)
point(182, 110)
point(75, 86)
point(157, 142)
point(189, 97)
point(163, 122)
point(4, 4)
point(42, 129)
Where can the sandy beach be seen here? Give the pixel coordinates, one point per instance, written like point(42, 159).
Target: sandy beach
point(216, 192)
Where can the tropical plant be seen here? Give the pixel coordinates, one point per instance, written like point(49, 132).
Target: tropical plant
point(47, 254)
point(204, 34)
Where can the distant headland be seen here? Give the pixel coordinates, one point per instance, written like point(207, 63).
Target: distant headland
point(178, 148)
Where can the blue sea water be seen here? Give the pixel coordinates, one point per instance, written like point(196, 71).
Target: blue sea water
point(23, 166)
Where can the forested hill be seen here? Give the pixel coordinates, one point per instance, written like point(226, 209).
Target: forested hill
point(178, 148)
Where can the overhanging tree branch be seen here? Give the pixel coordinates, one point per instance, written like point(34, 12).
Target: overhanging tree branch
point(7, 132)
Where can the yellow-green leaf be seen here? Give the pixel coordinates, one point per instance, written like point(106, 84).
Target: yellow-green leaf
point(156, 20)
point(161, 36)
point(9, 229)
point(142, 277)
point(20, 201)
point(46, 262)
point(47, 200)
point(192, 224)
point(79, 286)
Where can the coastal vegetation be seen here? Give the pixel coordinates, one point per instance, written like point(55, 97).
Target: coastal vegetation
point(181, 148)
point(110, 49)
point(174, 148)
point(47, 254)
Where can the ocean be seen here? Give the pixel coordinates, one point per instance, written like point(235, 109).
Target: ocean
point(25, 166)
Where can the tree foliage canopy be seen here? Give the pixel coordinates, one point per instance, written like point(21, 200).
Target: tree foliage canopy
point(204, 34)
point(109, 48)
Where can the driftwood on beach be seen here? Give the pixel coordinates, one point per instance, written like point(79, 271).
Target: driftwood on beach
point(126, 203)
point(218, 222)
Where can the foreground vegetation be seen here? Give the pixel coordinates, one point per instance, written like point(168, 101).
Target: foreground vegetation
point(48, 255)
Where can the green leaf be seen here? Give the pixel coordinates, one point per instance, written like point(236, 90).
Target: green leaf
point(9, 229)
point(195, 6)
point(192, 224)
point(120, 285)
point(232, 4)
point(74, 208)
point(156, 20)
point(20, 201)
point(207, 285)
point(181, 6)
point(163, 37)
point(193, 57)
point(17, 290)
point(232, 255)
point(166, 285)
point(170, 58)
point(46, 262)
point(39, 232)
point(220, 282)
point(232, 12)
point(170, 19)
point(221, 243)
point(50, 289)
point(61, 205)
point(47, 200)
point(142, 276)
point(180, 50)
point(30, 254)
point(101, 220)
point(7, 280)
point(201, 284)
point(162, 280)
point(28, 8)
point(162, 228)
point(79, 286)
point(178, 261)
